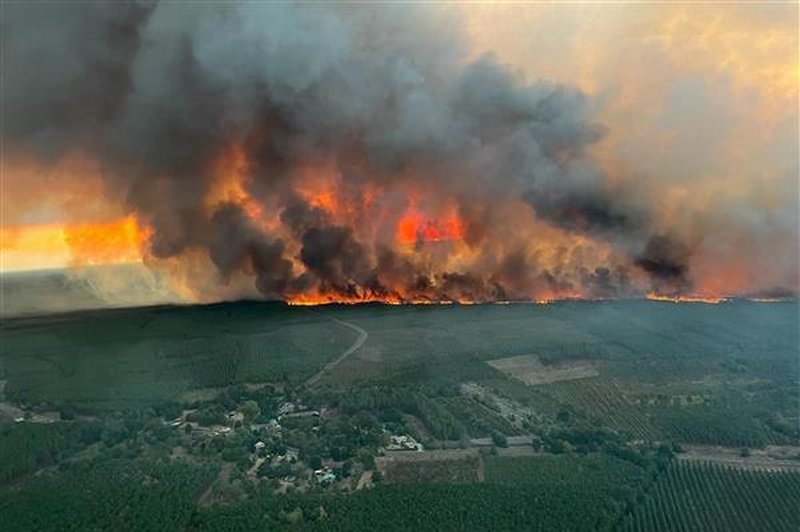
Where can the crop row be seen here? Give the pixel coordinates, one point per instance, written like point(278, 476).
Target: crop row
point(710, 497)
point(605, 402)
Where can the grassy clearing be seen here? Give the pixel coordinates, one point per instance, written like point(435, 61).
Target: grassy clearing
point(530, 370)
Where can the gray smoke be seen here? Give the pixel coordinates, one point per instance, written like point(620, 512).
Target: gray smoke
point(153, 91)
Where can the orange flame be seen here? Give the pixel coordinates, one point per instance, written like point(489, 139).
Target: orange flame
point(311, 300)
point(378, 219)
point(414, 227)
point(686, 298)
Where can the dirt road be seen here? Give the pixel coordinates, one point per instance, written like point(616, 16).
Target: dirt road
point(365, 481)
point(513, 441)
point(362, 336)
point(207, 497)
point(771, 458)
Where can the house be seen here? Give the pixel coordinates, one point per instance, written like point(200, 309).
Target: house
point(403, 443)
point(290, 455)
point(303, 413)
point(286, 408)
point(325, 475)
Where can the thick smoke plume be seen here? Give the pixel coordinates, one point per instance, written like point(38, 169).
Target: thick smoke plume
point(332, 152)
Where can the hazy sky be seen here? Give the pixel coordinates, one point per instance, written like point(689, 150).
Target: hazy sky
point(700, 100)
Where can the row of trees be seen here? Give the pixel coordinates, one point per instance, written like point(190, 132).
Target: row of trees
point(711, 497)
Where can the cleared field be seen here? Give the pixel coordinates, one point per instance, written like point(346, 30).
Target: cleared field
point(705, 497)
point(457, 466)
point(530, 370)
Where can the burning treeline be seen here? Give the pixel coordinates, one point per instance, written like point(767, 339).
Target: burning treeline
point(330, 153)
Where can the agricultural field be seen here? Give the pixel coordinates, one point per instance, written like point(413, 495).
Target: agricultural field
point(530, 370)
point(710, 497)
point(606, 403)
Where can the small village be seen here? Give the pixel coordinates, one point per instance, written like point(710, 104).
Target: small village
point(276, 447)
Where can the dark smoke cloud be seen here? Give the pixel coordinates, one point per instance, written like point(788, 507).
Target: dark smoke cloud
point(154, 91)
point(68, 71)
point(665, 259)
point(334, 255)
point(301, 217)
point(235, 244)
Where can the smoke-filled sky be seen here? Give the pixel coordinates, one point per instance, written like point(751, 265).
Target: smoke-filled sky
point(406, 152)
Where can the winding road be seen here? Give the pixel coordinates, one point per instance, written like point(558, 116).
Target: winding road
point(362, 336)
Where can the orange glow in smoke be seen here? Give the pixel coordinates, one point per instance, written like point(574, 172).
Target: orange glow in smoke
point(230, 183)
point(414, 227)
point(318, 185)
point(324, 200)
point(114, 242)
point(103, 243)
